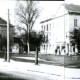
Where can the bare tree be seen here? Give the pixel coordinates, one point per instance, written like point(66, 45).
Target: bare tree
point(27, 12)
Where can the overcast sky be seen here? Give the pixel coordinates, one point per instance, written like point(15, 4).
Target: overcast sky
point(49, 8)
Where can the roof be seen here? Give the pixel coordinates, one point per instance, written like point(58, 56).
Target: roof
point(4, 22)
point(52, 18)
point(72, 7)
point(46, 20)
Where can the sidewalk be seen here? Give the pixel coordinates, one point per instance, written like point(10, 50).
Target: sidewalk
point(59, 72)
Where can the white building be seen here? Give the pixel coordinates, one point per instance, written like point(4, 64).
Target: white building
point(58, 29)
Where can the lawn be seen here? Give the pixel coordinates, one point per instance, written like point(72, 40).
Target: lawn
point(67, 61)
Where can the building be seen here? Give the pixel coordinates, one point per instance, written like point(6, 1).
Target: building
point(17, 46)
point(58, 29)
point(3, 33)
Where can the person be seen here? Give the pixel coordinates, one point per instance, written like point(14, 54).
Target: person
point(55, 51)
point(73, 48)
point(59, 52)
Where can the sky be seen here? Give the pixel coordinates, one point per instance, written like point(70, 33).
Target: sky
point(49, 9)
point(4, 6)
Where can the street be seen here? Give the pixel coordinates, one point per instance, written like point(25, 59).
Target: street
point(29, 71)
point(15, 70)
point(29, 75)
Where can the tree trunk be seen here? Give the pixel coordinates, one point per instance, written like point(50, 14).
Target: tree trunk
point(28, 47)
point(5, 54)
point(36, 56)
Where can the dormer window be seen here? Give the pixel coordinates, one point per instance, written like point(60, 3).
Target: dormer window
point(75, 22)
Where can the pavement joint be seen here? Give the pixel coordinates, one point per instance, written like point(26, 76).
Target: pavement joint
point(43, 72)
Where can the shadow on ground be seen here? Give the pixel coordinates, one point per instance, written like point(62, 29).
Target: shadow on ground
point(71, 61)
point(4, 76)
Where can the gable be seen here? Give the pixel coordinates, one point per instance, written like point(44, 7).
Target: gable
point(61, 11)
point(4, 22)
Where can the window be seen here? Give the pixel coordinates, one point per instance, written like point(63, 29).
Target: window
point(44, 46)
point(50, 27)
point(75, 22)
point(47, 27)
point(47, 46)
point(50, 45)
point(47, 37)
point(42, 27)
point(44, 37)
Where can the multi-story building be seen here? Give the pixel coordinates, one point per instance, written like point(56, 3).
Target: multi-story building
point(58, 30)
point(3, 32)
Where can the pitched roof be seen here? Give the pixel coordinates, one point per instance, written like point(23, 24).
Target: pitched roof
point(4, 22)
point(46, 20)
point(72, 8)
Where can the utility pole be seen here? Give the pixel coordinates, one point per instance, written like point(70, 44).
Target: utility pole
point(28, 42)
point(8, 59)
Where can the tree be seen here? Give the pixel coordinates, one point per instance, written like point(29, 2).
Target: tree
point(27, 12)
point(3, 45)
point(36, 39)
point(75, 38)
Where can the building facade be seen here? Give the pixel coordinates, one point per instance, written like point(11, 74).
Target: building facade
point(3, 33)
point(57, 30)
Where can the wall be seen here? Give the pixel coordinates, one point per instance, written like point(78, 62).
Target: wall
point(59, 34)
point(15, 48)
